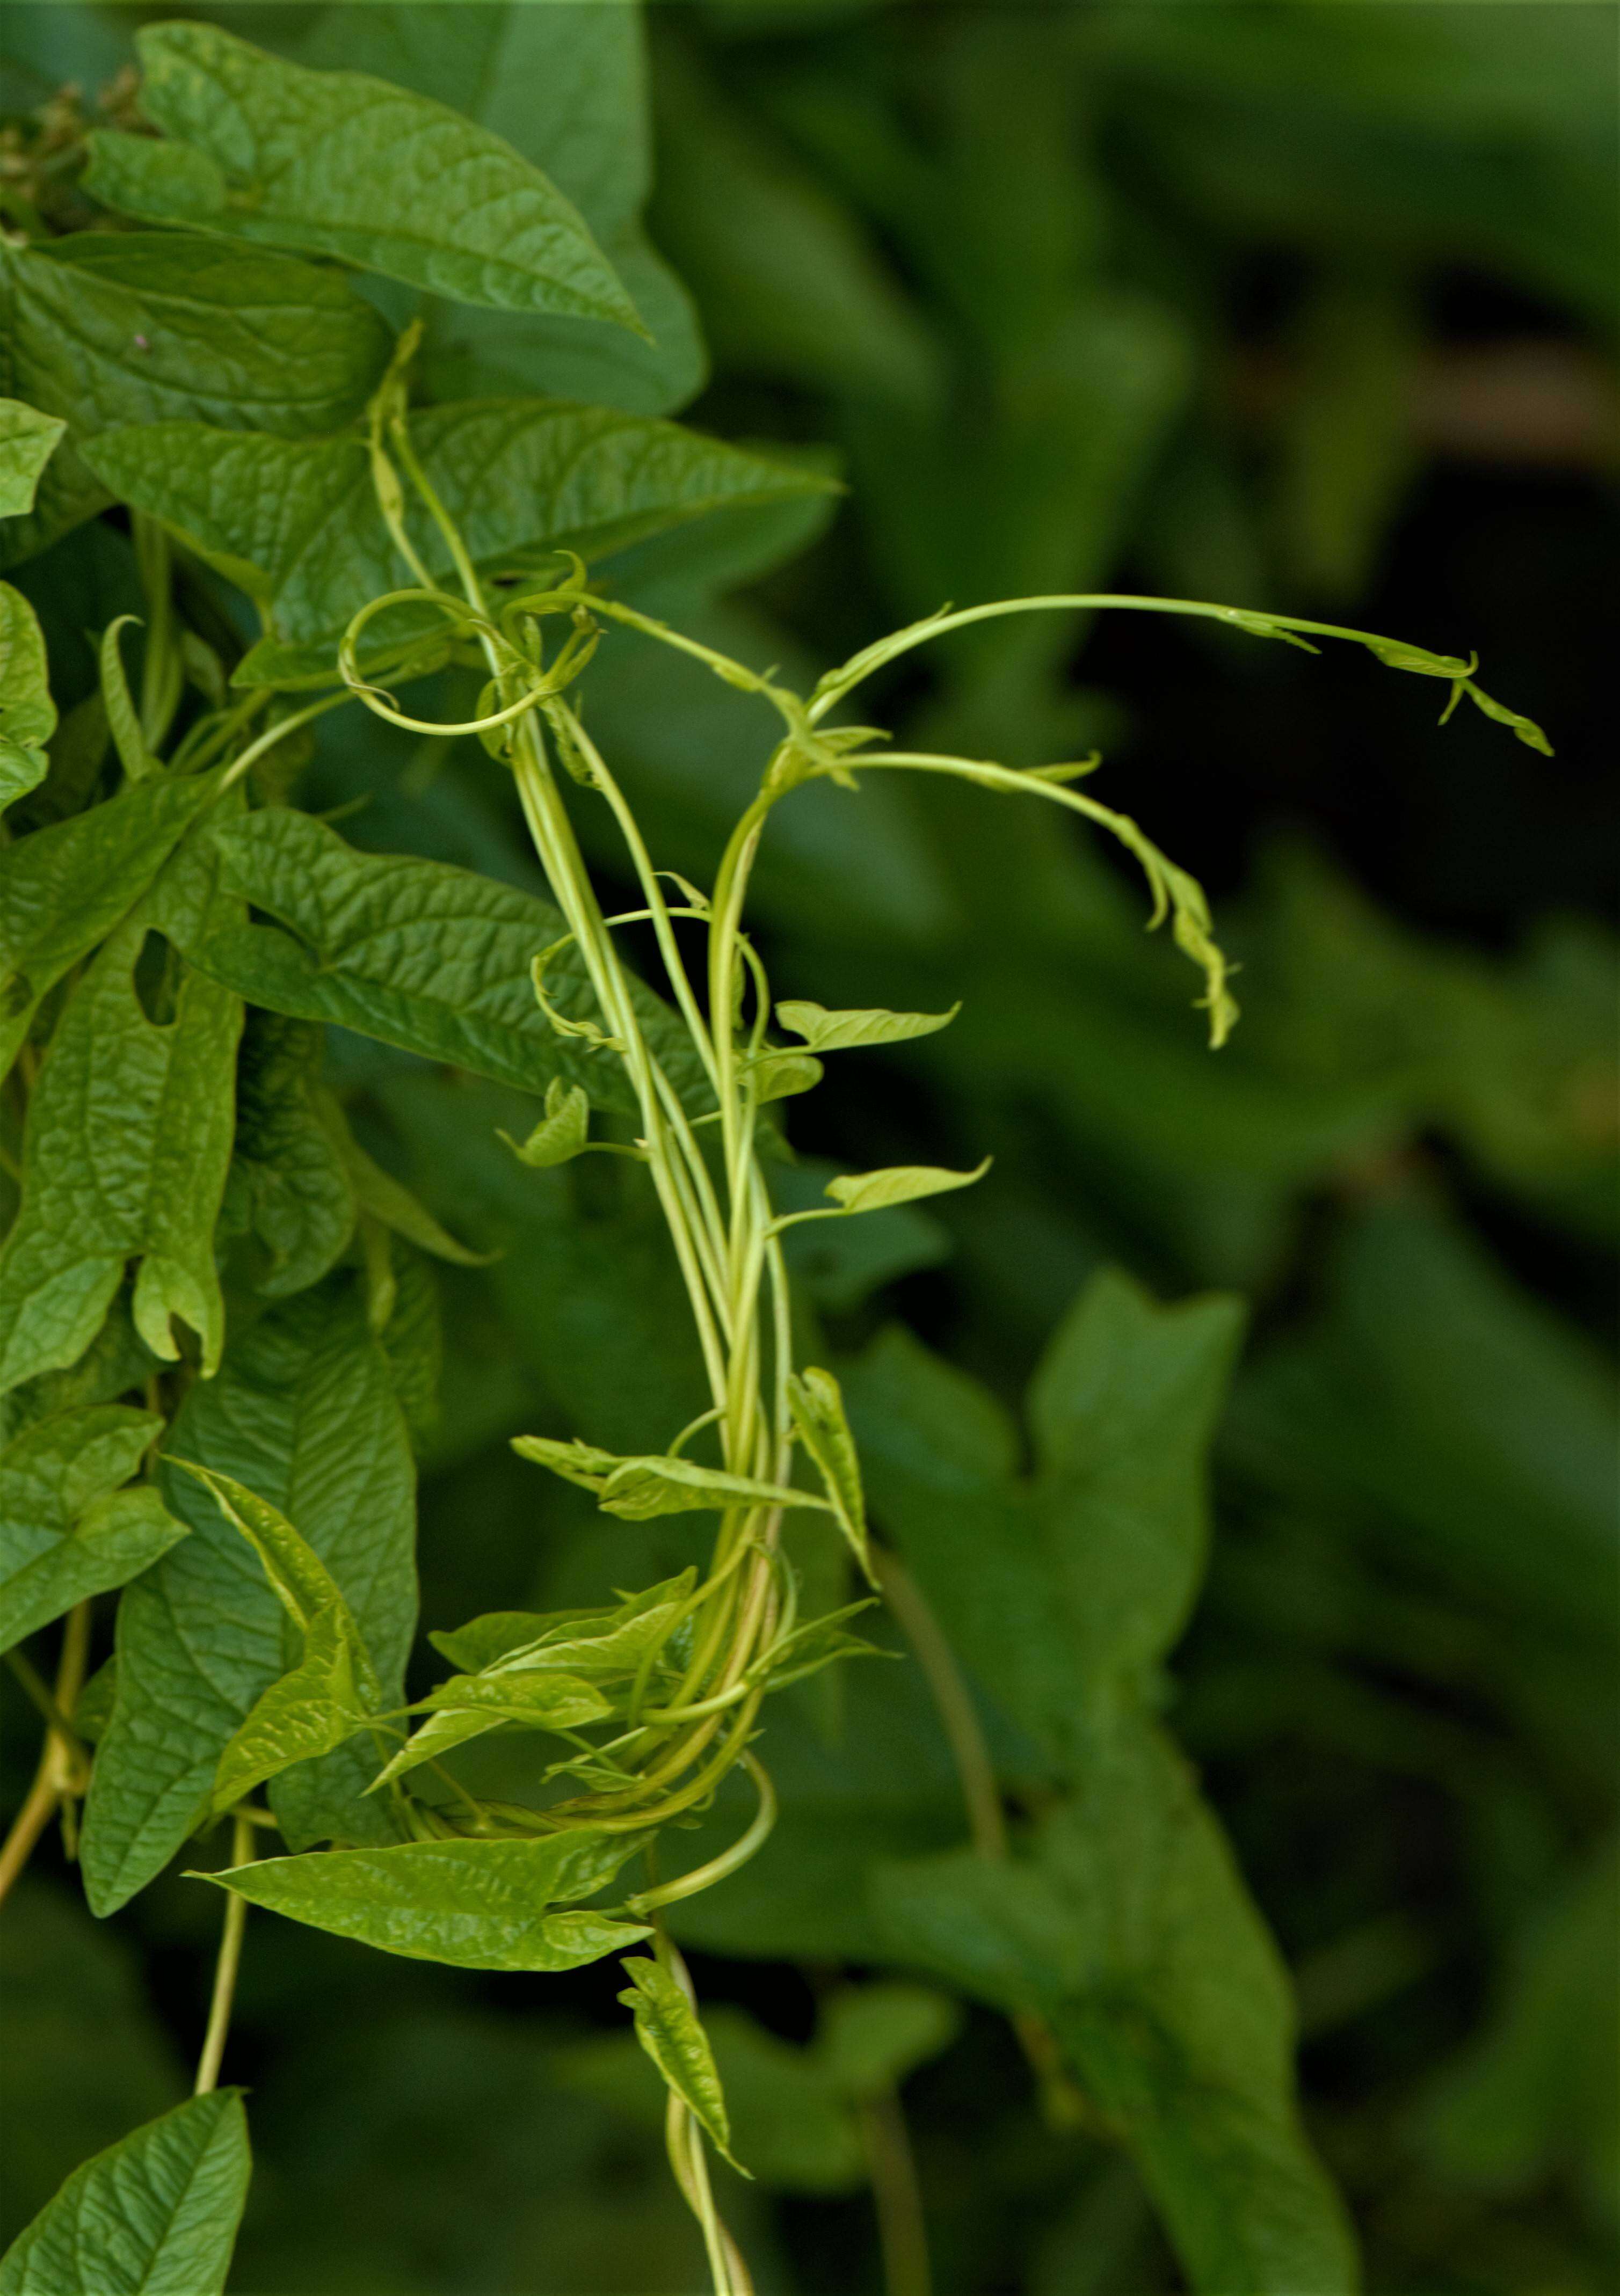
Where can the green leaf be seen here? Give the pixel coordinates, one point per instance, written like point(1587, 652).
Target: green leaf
point(560, 1134)
point(780, 1074)
point(668, 2029)
point(477, 1905)
point(27, 440)
point(107, 327)
point(303, 1413)
point(339, 164)
point(434, 959)
point(302, 1584)
point(1130, 1930)
point(870, 2038)
point(153, 2215)
point(296, 521)
point(898, 1184)
point(817, 1404)
point(125, 1154)
point(388, 1200)
point(28, 715)
point(309, 1712)
point(1061, 1593)
point(586, 1642)
point(122, 720)
point(836, 1032)
point(639, 1488)
point(289, 1185)
point(65, 888)
point(67, 1531)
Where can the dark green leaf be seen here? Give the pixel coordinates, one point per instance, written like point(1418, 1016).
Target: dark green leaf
point(125, 1156)
point(62, 889)
point(153, 2215)
point(140, 327)
point(336, 163)
point(478, 1905)
point(27, 440)
point(434, 959)
point(296, 521)
point(1130, 1930)
point(289, 1185)
point(67, 1531)
point(303, 1413)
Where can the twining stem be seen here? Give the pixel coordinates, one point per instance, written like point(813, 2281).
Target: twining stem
point(228, 1964)
point(903, 2227)
point(60, 1774)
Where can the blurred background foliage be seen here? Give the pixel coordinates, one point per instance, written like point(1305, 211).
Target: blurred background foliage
point(1303, 305)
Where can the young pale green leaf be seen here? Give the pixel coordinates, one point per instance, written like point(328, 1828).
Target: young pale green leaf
point(668, 2029)
point(122, 720)
point(27, 440)
point(296, 521)
point(898, 1184)
point(836, 1032)
point(819, 1643)
point(781, 1076)
point(1130, 1930)
point(476, 1905)
point(594, 1641)
point(125, 1153)
point(155, 2215)
point(431, 958)
point(339, 164)
point(300, 1580)
point(640, 1487)
point(28, 715)
point(817, 1404)
point(65, 888)
point(289, 1186)
point(310, 1712)
point(67, 1531)
point(576, 1462)
point(303, 1412)
point(537, 1697)
point(168, 327)
point(560, 1134)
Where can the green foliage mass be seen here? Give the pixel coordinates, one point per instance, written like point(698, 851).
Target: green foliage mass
point(1082, 1594)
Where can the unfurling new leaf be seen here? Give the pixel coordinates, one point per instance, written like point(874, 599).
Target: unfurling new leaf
point(668, 2029)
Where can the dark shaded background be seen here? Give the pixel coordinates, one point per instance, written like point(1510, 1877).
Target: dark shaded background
point(1308, 306)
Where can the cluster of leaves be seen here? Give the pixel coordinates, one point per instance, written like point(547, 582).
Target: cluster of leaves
point(210, 1215)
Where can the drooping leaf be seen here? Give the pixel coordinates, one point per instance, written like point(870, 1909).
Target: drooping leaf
point(155, 2215)
point(123, 723)
point(1130, 1930)
point(817, 1404)
point(289, 1186)
point(836, 1032)
point(339, 164)
point(303, 1414)
point(668, 2029)
point(388, 1201)
point(477, 1905)
point(67, 1531)
point(309, 1712)
point(898, 1184)
point(28, 715)
point(296, 521)
point(300, 1580)
point(125, 1155)
point(431, 958)
point(62, 889)
point(27, 440)
point(163, 326)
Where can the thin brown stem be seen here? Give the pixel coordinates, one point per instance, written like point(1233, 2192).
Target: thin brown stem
point(61, 1772)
